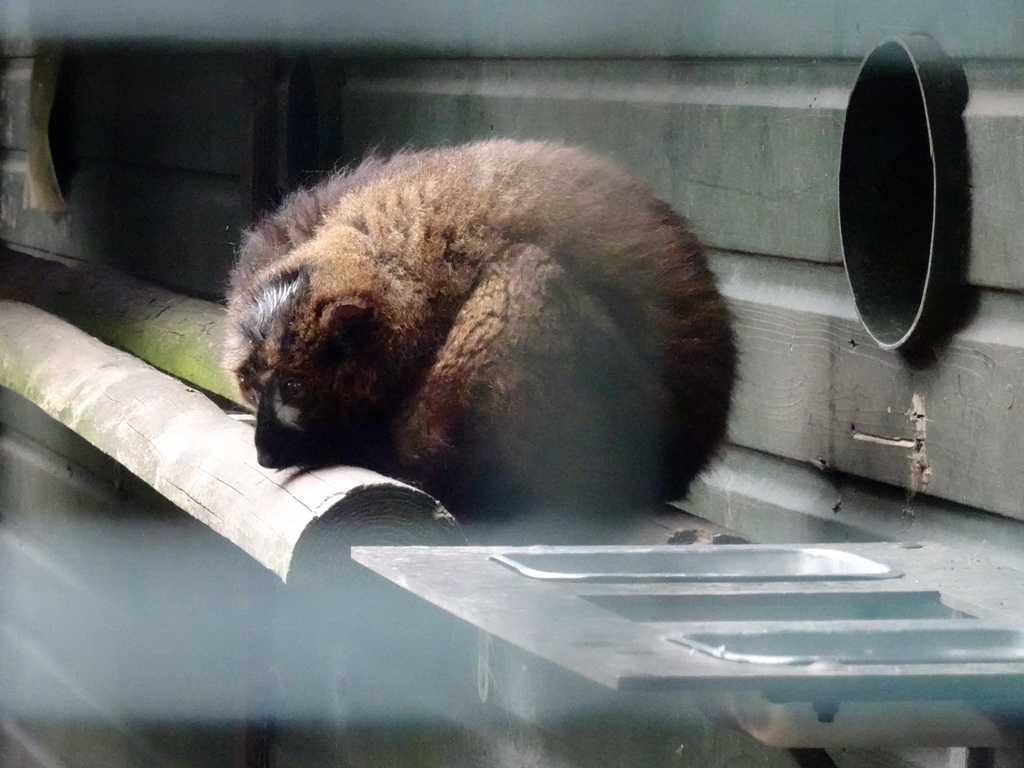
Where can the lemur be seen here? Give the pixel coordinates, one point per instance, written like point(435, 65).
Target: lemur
point(506, 324)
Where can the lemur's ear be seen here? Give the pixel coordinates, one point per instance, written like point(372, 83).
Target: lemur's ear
point(340, 317)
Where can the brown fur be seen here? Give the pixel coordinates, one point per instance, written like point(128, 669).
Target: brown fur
point(505, 323)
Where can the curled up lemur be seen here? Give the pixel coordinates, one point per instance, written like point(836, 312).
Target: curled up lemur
point(506, 324)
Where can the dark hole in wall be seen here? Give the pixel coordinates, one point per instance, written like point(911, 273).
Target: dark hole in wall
point(60, 129)
point(145, 142)
point(904, 198)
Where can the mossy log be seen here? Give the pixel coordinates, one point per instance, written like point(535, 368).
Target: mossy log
point(177, 334)
point(182, 336)
point(178, 441)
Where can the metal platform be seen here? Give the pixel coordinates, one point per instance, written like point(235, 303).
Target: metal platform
point(797, 631)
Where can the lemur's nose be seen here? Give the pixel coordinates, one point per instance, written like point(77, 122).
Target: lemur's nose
point(271, 459)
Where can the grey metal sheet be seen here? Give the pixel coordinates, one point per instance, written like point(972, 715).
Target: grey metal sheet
point(948, 642)
point(564, 622)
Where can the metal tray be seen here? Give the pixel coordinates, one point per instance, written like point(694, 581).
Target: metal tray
point(714, 563)
point(834, 605)
point(952, 644)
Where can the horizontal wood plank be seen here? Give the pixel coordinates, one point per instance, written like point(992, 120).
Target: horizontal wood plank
point(773, 500)
point(813, 387)
point(770, 499)
point(748, 151)
point(184, 446)
point(176, 228)
point(995, 137)
point(175, 109)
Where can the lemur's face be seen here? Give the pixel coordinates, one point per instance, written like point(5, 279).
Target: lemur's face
point(300, 364)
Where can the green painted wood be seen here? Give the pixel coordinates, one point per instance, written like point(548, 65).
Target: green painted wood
point(814, 388)
point(150, 164)
point(995, 134)
point(774, 500)
point(561, 28)
point(748, 151)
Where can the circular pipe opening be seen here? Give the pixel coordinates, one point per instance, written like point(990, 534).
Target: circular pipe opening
point(903, 189)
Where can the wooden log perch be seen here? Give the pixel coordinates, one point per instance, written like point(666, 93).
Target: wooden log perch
point(181, 443)
point(182, 336)
point(177, 334)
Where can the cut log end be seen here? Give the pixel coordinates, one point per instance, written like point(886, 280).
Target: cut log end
point(379, 514)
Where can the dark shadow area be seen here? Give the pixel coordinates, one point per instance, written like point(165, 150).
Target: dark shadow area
point(302, 125)
point(60, 129)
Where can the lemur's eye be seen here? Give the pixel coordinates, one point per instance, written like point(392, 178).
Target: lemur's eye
point(293, 390)
point(245, 385)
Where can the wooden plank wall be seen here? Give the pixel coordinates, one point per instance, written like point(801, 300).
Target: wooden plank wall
point(748, 150)
point(149, 148)
point(153, 142)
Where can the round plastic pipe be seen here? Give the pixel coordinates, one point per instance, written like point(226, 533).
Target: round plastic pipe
point(904, 190)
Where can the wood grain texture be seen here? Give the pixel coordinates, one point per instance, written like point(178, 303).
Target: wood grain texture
point(814, 388)
point(179, 442)
point(995, 136)
point(176, 109)
point(175, 227)
point(748, 151)
point(772, 500)
point(15, 76)
point(174, 333)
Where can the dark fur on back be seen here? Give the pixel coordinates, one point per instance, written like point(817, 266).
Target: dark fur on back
point(508, 324)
